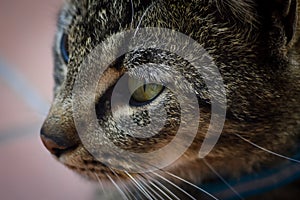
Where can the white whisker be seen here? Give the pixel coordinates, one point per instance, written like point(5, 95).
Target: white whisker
point(156, 183)
point(100, 183)
point(140, 21)
point(130, 194)
point(132, 14)
point(138, 185)
point(117, 186)
point(266, 150)
point(174, 185)
point(222, 179)
point(149, 191)
point(148, 187)
point(191, 184)
point(161, 191)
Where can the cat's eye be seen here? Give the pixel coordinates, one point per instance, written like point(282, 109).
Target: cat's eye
point(64, 48)
point(143, 92)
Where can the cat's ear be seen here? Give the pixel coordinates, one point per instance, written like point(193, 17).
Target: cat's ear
point(280, 13)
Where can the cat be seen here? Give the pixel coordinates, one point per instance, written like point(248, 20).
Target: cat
point(254, 45)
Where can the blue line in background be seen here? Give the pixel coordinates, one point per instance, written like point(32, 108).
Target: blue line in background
point(22, 88)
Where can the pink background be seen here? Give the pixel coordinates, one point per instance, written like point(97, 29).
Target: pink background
point(27, 171)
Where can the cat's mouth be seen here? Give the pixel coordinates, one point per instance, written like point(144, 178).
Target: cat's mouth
point(90, 168)
point(96, 171)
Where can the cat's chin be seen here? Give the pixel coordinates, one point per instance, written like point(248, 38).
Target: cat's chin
point(84, 164)
point(189, 168)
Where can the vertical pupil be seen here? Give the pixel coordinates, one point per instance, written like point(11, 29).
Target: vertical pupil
point(64, 47)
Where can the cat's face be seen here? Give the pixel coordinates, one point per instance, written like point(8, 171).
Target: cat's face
point(246, 40)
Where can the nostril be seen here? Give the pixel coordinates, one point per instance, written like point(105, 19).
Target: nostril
point(53, 146)
point(59, 152)
point(59, 136)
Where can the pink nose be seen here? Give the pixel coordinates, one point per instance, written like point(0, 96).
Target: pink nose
point(56, 145)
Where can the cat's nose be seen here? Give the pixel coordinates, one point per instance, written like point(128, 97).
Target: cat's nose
point(57, 145)
point(58, 132)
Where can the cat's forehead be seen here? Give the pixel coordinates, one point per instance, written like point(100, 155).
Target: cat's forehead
point(213, 24)
point(244, 11)
point(90, 22)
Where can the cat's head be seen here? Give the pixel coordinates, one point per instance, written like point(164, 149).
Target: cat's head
point(246, 40)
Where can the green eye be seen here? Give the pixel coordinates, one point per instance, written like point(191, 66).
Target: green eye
point(142, 92)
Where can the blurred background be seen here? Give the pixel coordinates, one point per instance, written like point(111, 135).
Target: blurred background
point(27, 171)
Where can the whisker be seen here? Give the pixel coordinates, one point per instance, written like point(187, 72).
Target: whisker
point(140, 21)
point(161, 191)
point(117, 186)
point(157, 184)
point(191, 184)
point(130, 194)
point(146, 185)
point(100, 183)
point(222, 179)
point(132, 14)
point(138, 185)
point(266, 150)
point(149, 191)
point(174, 185)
